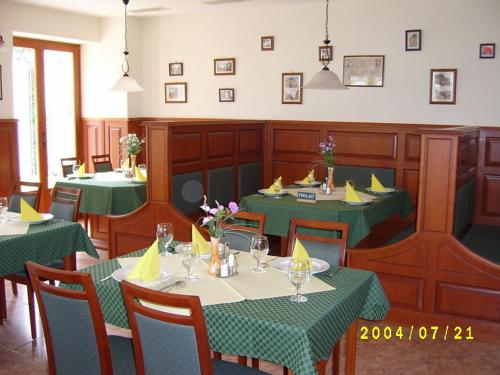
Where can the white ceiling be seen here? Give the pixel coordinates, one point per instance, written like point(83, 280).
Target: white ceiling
point(110, 8)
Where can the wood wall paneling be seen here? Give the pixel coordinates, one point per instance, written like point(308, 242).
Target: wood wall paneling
point(250, 142)
point(492, 152)
point(114, 130)
point(365, 145)
point(186, 147)
point(296, 141)
point(402, 291)
point(410, 182)
point(491, 195)
point(220, 144)
point(158, 167)
point(94, 143)
point(412, 147)
point(9, 164)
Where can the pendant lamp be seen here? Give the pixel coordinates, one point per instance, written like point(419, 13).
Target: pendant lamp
point(325, 79)
point(126, 83)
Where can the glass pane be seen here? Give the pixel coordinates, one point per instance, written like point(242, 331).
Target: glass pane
point(25, 111)
point(59, 110)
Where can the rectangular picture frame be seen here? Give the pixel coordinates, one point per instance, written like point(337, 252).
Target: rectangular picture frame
point(267, 43)
point(175, 69)
point(176, 92)
point(226, 95)
point(413, 40)
point(291, 88)
point(325, 53)
point(487, 51)
point(364, 70)
point(225, 66)
point(443, 86)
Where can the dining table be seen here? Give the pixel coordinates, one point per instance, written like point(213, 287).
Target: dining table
point(361, 218)
point(295, 335)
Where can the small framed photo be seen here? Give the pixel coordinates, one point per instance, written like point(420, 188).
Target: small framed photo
point(364, 71)
point(267, 43)
point(325, 53)
point(175, 69)
point(176, 92)
point(487, 50)
point(413, 41)
point(226, 95)
point(291, 88)
point(224, 66)
point(443, 86)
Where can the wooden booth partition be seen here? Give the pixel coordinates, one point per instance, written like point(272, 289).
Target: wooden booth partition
point(431, 278)
point(9, 160)
point(197, 151)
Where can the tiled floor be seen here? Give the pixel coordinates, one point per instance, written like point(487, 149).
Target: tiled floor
point(20, 355)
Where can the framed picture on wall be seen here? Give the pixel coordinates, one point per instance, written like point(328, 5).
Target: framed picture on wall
point(364, 71)
point(175, 69)
point(325, 53)
point(413, 40)
point(291, 88)
point(267, 43)
point(176, 92)
point(487, 50)
point(224, 66)
point(443, 86)
point(226, 95)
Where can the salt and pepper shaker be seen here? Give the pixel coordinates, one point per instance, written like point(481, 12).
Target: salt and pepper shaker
point(228, 265)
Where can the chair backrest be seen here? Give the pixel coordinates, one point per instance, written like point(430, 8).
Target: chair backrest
point(65, 203)
point(246, 225)
point(102, 163)
point(67, 165)
point(154, 331)
point(75, 335)
point(29, 191)
point(331, 249)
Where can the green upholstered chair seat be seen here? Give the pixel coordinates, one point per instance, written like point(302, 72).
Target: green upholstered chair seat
point(103, 167)
point(15, 202)
point(237, 239)
point(362, 175)
point(484, 240)
point(326, 251)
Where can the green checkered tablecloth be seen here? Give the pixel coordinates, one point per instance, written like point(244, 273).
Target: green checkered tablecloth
point(102, 195)
point(279, 212)
point(43, 243)
point(275, 329)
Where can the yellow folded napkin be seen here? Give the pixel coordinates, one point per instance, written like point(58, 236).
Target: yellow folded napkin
point(28, 213)
point(139, 176)
point(81, 171)
point(126, 164)
point(197, 238)
point(275, 185)
point(148, 267)
point(309, 179)
point(300, 252)
point(350, 194)
point(376, 185)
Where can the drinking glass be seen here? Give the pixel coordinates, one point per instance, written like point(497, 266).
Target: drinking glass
point(190, 256)
point(276, 189)
point(143, 169)
point(124, 162)
point(75, 168)
point(299, 272)
point(165, 235)
point(259, 247)
point(4, 206)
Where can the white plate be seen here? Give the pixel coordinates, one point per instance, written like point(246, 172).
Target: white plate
point(121, 274)
point(351, 203)
point(45, 218)
point(84, 177)
point(269, 193)
point(202, 256)
point(387, 191)
point(301, 183)
point(318, 265)
point(138, 182)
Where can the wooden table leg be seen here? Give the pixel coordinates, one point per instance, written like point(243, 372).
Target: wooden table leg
point(350, 360)
point(70, 262)
point(283, 245)
point(321, 366)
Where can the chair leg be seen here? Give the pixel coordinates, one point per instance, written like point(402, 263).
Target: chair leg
point(14, 288)
point(217, 355)
point(336, 359)
point(255, 363)
point(3, 301)
point(31, 307)
point(242, 360)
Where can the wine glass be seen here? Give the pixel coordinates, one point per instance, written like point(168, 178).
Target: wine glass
point(75, 168)
point(299, 272)
point(165, 235)
point(276, 189)
point(143, 169)
point(4, 206)
point(190, 255)
point(259, 247)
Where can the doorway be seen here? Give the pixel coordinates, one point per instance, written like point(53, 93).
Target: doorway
point(46, 88)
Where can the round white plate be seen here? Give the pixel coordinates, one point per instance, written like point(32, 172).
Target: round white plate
point(318, 265)
point(301, 183)
point(202, 256)
point(139, 182)
point(350, 203)
point(269, 193)
point(84, 177)
point(121, 274)
point(387, 191)
point(45, 218)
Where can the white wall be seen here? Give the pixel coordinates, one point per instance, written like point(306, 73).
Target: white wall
point(452, 31)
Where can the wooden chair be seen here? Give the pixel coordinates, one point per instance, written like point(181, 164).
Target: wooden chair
point(332, 250)
point(67, 165)
point(186, 332)
point(247, 225)
point(102, 163)
point(75, 335)
point(64, 205)
point(29, 191)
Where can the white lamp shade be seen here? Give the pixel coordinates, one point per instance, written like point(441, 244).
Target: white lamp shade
point(325, 80)
point(127, 84)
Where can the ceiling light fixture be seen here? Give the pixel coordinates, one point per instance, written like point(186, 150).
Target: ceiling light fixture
point(126, 83)
point(325, 79)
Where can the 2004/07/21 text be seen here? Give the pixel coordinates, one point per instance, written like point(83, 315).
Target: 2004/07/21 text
point(416, 333)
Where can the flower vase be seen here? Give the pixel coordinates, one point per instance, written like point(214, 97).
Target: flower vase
point(214, 261)
point(132, 164)
point(329, 181)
